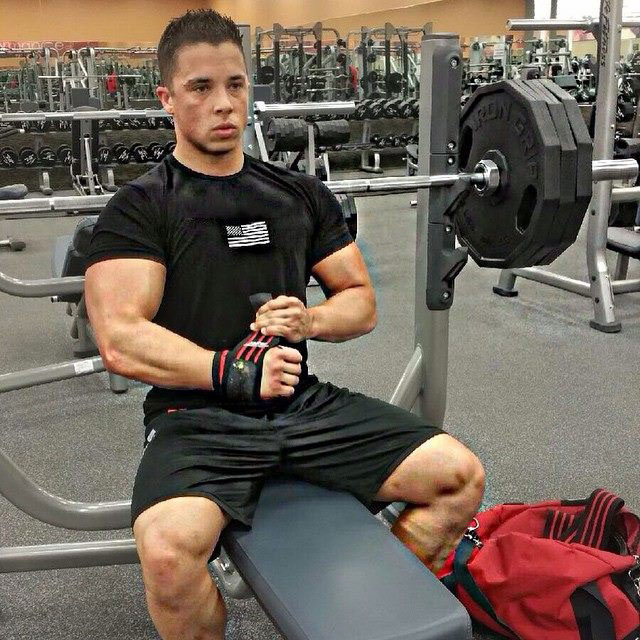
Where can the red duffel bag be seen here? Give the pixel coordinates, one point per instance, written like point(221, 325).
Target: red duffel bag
point(557, 570)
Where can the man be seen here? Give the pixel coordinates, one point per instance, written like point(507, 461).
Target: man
point(175, 258)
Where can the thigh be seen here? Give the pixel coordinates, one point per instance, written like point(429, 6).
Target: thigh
point(209, 453)
point(348, 441)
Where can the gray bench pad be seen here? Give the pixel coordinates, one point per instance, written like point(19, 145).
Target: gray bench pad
point(324, 568)
point(625, 241)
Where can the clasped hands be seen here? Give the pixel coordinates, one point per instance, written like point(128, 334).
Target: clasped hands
point(284, 316)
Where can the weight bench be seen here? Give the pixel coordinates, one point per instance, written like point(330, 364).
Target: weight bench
point(324, 568)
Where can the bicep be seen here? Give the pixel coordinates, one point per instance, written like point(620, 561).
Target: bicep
point(342, 270)
point(122, 290)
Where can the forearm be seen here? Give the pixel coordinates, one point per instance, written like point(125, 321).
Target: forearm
point(348, 314)
point(145, 351)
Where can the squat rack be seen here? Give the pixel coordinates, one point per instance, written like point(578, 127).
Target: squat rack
point(600, 285)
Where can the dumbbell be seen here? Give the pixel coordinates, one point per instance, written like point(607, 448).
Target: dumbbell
point(63, 154)
point(121, 154)
point(156, 151)
point(405, 109)
point(42, 126)
point(152, 123)
point(361, 110)
point(117, 124)
point(47, 157)
point(102, 125)
point(8, 158)
point(26, 125)
point(63, 125)
point(391, 108)
point(13, 245)
point(405, 139)
point(134, 123)
point(375, 109)
point(28, 157)
point(168, 122)
point(139, 153)
point(104, 155)
point(377, 140)
point(169, 147)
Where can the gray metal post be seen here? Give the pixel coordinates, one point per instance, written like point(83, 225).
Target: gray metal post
point(600, 206)
point(440, 81)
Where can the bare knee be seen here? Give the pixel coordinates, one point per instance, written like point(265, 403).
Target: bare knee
point(465, 481)
point(170, 561)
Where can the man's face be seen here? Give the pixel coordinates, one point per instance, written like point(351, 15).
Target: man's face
point(208, 97)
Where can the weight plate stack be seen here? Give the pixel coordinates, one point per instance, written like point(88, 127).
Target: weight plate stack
point(568, 162)
point(332, 132)
point(511, 227)
point(286, 134)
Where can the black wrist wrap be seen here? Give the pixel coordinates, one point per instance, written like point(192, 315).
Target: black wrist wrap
point(237, 373)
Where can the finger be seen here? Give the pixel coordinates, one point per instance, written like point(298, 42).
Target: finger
point(281, 302)
point(289, 380)
point(281, 316)
point(290, 355)
point(276, 330)
point(292, 368)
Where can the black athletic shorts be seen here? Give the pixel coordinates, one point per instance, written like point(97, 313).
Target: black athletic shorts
point(327, 436)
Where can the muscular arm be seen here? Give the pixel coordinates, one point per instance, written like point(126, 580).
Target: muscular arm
point(350, 308)
point(122, 297)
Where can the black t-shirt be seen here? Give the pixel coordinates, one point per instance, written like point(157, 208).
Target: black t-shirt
point(221, 240)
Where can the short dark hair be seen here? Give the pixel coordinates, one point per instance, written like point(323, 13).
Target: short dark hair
point(193, 27)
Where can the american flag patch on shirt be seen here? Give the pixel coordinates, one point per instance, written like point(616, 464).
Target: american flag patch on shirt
point(247, 235)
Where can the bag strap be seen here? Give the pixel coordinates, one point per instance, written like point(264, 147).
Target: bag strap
point(464, 578)
point(594, 526)
point(592, 614)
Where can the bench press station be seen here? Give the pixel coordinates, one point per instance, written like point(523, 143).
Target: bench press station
point(319, 563)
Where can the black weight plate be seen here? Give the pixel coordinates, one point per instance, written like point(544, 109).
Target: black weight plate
point(266, 75)
point(375, 109)
point(394, 82)
point(8, 158)
point(42, 126)
point(568, 209)
point(117, 124)
point(64, 125)
point(169, 147)
point(584, 144)
point(47, 157)
point(510, 227)
point(152, 123)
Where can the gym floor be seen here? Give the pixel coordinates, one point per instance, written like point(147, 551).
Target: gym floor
point(549, 405)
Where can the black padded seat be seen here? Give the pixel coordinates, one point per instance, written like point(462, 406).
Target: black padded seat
point(324, 568)
point(13, 192)
point(70, 252)
point(624, 241)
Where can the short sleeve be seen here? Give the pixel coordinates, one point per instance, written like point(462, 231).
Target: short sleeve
point(130, 226)
point(330, 229)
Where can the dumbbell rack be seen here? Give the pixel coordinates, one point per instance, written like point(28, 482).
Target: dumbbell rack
point(263, 112)
point(90, 176)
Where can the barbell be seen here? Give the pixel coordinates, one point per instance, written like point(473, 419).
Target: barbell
point(525, 179)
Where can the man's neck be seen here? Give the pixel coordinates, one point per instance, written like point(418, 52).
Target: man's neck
point(209, 164)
